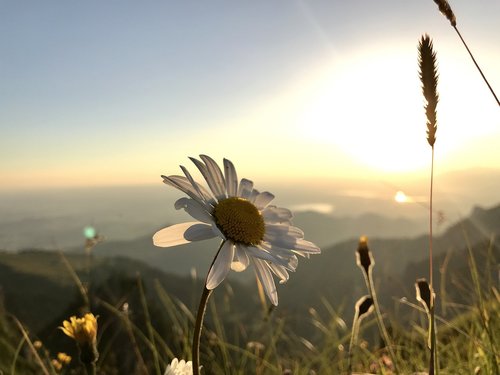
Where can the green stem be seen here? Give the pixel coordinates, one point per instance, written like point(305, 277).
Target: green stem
point(380, 321)
point(430, 222)
point(197, 329)
point(433, 367)
point(149, 325)
point(90, 368)
point(353, 342)
point(202, 307)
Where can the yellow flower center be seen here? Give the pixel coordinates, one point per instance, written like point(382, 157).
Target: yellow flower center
point(240, 221)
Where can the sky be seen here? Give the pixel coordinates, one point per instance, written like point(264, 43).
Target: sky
point(100, 93)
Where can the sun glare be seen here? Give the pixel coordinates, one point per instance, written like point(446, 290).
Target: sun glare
point(401, 197)
point(371, 109)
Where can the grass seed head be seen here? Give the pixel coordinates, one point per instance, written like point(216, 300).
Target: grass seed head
point(364, 257)
point(429, 78)
point(424, 294)
point(445, 9)
point(364, 307)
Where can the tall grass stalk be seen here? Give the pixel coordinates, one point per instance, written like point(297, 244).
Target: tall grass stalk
point(362, 308)
point(16, 355)
point(365, 261)
point(219, 331)
point(482, 310)
point(30, 345)
point(275, 332)
point(132, 330)
point(149, 326)
point(445, 9)
point(78, 282)
point(429, 79)
point(181, 317)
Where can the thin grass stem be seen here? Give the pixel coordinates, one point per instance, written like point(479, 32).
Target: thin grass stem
point(481, 308)
point(16, 355)
point(477, 66)
point(353, 342)
point(219, 330)
point(149, 326)
point(77, 280)
point(433, 368)
point(430, 221)
point(32, 348)
point(90, 368)
point(380, 321)
point(448, 324)
point(131, 328)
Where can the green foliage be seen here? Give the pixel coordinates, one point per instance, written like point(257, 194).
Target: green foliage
point(138, 324)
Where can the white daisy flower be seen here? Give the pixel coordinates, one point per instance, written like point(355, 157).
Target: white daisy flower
point(252, 230)
point(179, 367)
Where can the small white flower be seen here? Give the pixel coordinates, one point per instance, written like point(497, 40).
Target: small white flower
point(179, 367)
point(252, 231)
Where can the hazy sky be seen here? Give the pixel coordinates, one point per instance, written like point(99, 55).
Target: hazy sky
point(119, 92)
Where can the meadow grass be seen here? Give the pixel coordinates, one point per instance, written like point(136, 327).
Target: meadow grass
point(267, 344)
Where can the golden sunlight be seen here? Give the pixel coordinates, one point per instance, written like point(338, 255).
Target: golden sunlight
point(371, 109)
point(401, 197)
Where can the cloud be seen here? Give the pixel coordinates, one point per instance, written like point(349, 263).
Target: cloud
point(323, 208)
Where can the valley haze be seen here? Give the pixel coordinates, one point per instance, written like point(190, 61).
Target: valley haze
point(55, 218)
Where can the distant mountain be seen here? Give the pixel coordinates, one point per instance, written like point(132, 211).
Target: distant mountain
point(334, 276)
point(326, 230)
point(37, 287)
point(320, 228)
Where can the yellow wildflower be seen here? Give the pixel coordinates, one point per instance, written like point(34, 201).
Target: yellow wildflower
point(64, 358)
point(37, 344)
point(57, 365)
point(82, 330)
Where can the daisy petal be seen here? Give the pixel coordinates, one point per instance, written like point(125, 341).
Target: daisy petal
point(280, 230)
point(277, 215)
point(263, 199)
point(209, 198)
point(209, 178)
point(195, 209)
point(215, 171)
point(306, 247)
point(280, 271)
point(221, 266)
point(245, 188)
point(266, 279)
point(280, 253)
point(299, 246)
point(231, 178)
point(183, 184)
point(259, 253)
point(179, 234)
point(217, 232)
point(253, 195)
point(240, 260)
point(199, 232)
